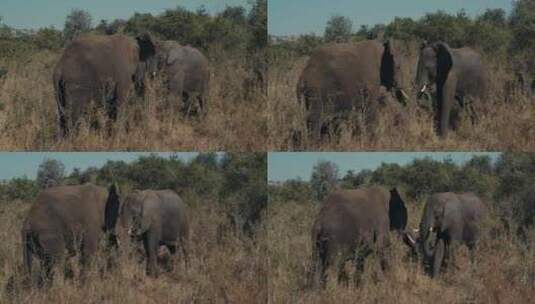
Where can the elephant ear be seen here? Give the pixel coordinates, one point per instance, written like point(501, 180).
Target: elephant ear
point(175, 54)
point(388, 64)
point(147, 46)
point(444, 61)
point(397, 212)
point(111, 213)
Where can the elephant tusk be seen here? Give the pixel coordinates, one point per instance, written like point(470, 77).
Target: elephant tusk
point(424, 88)
point(411, 239)
point(404, 94)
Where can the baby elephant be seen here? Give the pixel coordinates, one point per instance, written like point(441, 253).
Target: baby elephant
point(158, 218)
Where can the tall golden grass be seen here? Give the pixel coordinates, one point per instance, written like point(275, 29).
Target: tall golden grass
point(503, 272)
point(224, 267)
point(504, 122)
point(235, 120)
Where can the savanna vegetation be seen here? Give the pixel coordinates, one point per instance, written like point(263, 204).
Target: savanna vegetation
point(227, 195)
point(504, 268)
point(505, 120)
point(234, 40)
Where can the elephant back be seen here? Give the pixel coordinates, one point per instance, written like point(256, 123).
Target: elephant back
point(75, 208)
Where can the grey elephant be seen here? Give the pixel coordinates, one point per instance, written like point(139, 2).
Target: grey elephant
point(157, 218)
point(65, 220)
point(460, 79)
point(353, 223)
point(101, 69)
point(449, 219)
point(343, 78)
point(187, 74)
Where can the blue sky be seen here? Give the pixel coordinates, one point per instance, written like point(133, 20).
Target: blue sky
point(18, 164)
point(305, 16)
point(289, 165)
point(41, 13)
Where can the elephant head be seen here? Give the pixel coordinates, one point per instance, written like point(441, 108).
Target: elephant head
point(391, 72)
point(434, 65)
point(134, 218)
point(432, 224)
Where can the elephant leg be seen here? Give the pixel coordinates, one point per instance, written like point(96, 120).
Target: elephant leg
point(184, 249)
point(63, 128)
point(322, 263)
point(87, 250)
point(438, 257)
point(47, 271)
point(150, 243)
point(359, 268)
point(446, 99)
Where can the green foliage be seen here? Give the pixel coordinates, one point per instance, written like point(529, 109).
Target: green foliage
point(523, 24)
point(245, 188)
point(291, 191)
point(493, 31)
point(18, 189)
point(323, 179)
point(338, 29)
point(50, 173)
point(78, 22)
point(441, 26)
point(257, 21)
point(48, 38)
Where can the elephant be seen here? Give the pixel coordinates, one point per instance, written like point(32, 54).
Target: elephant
point(102, 69)
point(342, 78)
point(64, 221)
point(453, 218)
point(458, 74)
point(187, 74)
point(155, 217)
point(352, 224)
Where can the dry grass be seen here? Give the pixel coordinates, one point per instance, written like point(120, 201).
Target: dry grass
point(224, 268)
point(500, 126)
point(504, 271)
point(235, 121)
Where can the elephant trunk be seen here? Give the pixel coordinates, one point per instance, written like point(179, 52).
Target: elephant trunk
point(426, 231)
point(426, 244)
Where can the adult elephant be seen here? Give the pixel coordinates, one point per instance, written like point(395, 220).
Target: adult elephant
point(458, 75)
point(352, 224)
point(342, 78)
point(64, 221)
point(157, 218)
point(453, 219)
point(187, 74)
point(102, 69)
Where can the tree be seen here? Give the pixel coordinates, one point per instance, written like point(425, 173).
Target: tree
point(48, 38)
point(78, 21)
point(496, 17)
point(338, 29)
point(258, 24)
point(323, 179)
point(523, 24)
point(50, 173)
